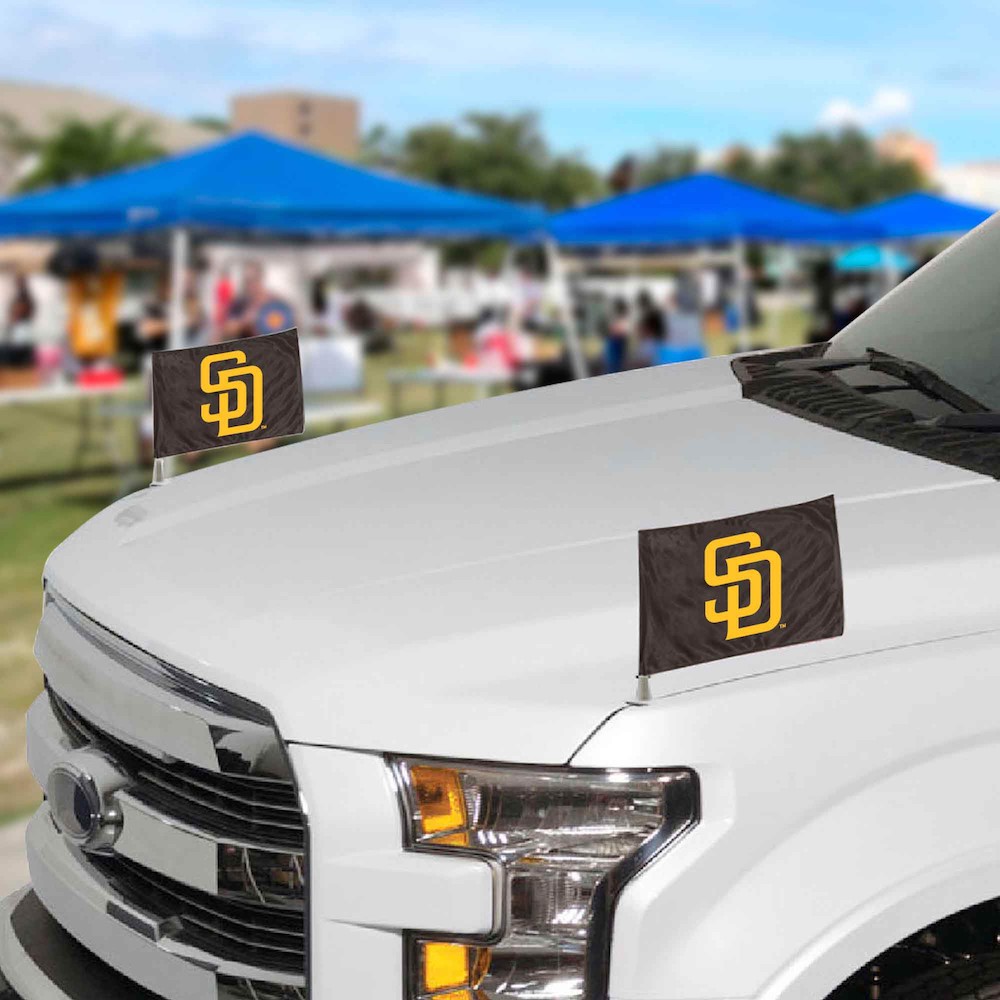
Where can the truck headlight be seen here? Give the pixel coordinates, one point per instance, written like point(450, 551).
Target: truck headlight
point(566, 841)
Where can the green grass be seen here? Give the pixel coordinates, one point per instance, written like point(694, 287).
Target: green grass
point(41, 503)
point(34, 518)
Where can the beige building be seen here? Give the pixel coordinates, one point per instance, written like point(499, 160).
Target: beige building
point(974, 183)
point(908, 147)
point(328, 124)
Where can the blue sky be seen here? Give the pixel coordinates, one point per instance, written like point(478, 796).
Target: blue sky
point(606, 78)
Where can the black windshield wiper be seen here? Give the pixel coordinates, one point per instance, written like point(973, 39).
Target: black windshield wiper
point(912, 373)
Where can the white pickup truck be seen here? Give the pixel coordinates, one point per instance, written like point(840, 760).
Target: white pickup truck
point(360, 718)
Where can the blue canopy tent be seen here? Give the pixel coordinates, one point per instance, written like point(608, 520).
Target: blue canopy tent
point(872, 257)
point(251, 182)
point(916, 215)
point(702, 208)
point(254, 184)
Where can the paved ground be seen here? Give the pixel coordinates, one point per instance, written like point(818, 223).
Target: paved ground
point(13, 865)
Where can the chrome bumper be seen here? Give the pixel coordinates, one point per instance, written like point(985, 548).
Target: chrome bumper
point(115, 930)
point(40, 961)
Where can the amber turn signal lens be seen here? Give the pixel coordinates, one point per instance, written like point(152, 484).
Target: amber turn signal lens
point(441, 802)
point(448, 967)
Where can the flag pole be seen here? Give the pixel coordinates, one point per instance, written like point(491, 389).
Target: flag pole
point(179, 246)
point(577, 359)
point(742, 288)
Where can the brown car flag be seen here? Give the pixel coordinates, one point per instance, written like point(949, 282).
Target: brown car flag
point(241, 390)
point(739, 585)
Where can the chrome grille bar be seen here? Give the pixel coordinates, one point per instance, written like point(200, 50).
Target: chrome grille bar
point(256, 935)
point(266, 814)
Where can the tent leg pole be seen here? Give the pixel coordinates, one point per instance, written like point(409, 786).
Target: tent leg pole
point(578, 363)
point(774, 317)
point(509, 272)
point(179, 247)
point(164, 468)
point(892, 275)
point(739, 263)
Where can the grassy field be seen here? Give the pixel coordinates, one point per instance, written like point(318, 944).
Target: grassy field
point(42, 501)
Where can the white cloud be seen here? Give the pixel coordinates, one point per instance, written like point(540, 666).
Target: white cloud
point(885, 106)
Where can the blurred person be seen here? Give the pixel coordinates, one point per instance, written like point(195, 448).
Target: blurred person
point(223, 295)
point(497, 344)
point(256, 310)
point(254, 313)
point(20, 313)
point(652, 328)
point(710, 287)
point(616, 336)
point(925, 258)
point(334, 310)
point(751, 308)
point(856, 303)
point(153, 334)
point(529, 292)
point(686, 322)
point(154, 327)
point(360, 317)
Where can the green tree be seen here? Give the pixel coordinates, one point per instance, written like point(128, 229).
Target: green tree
point(79, 149)
point(740, 163)
point(380, 147)
point(665, 163)
point(569, 182)
point(13, 138)
point(505, 156)
point(840, 170)
point(213, 123)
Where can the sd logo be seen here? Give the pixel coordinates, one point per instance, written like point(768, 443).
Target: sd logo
point(222, 394)
point(240, 390)
point(743, 569)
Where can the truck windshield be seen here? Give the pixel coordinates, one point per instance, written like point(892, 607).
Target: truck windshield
point(945, 318)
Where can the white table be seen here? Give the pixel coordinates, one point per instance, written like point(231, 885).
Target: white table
point(57, 393)
point(87, 396)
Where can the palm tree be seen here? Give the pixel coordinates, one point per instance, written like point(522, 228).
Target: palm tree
point(80, 149)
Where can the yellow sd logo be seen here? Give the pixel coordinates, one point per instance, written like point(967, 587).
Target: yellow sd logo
point(739, 570)
point(240, 388)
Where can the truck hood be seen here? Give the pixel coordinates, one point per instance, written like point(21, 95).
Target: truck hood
point(463, 582)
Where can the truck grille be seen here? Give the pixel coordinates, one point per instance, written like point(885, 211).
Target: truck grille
point(230, 893)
